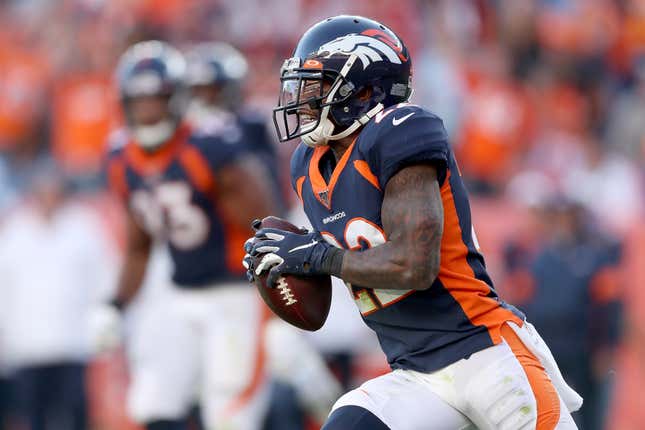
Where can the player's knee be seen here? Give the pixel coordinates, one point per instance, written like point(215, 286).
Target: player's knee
point(515, 409)
point(503, 400)
point(353, 418)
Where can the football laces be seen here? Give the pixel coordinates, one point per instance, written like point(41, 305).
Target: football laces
point(285, 292)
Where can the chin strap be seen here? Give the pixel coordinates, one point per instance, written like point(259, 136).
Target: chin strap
point(322, 134)
point(358, 123)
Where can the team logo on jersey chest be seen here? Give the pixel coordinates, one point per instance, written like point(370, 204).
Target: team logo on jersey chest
point(324, 197)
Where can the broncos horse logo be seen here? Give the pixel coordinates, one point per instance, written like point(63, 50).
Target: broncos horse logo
point(370, 46)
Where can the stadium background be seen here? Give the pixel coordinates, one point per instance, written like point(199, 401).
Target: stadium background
point(542, 98)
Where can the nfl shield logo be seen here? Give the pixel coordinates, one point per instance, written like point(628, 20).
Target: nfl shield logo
point(324, 196)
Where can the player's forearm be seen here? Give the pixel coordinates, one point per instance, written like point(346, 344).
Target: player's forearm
point(131, 277)
point(412, 215)
point(245, 194)
point(389, 267)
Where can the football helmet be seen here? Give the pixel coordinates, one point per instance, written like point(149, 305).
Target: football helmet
point(152, 68)
point(344, 70)
point(220, 67)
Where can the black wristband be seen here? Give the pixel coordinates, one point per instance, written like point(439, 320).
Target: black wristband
point(118, 303)
point(333, 261)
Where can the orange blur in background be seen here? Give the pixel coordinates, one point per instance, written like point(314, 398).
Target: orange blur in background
point(551, 88)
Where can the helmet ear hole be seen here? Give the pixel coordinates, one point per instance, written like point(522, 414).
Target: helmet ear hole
point(364, 99)
point(364, 94)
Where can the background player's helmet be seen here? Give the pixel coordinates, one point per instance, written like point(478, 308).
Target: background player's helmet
point(349, 54)
point(220, 68)
point(152, 68)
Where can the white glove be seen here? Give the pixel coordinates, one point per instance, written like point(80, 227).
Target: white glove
point(105, 327)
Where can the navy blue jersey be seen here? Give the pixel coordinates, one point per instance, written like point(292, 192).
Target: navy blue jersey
point(248, 128)
point(172, 193)
point(461, 312)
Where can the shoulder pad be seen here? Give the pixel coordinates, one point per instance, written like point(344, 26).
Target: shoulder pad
point(402, 135)
point(402, 122)
point(216, 149)
point(222, 127)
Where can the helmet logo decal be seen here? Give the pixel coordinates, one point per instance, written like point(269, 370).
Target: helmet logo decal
point(313, 64)
point(393, 43)
point(367, 48)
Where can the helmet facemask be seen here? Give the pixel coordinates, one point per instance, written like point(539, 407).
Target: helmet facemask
point(154, 71)
point(310, 96)
point(150, 136)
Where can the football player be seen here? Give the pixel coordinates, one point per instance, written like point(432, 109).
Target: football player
point(215, 76)
point(381, 187)
point(196, 190)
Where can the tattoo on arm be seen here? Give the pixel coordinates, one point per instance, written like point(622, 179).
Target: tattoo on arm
point(412, 216)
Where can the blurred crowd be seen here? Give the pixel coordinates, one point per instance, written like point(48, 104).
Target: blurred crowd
point(544, 101)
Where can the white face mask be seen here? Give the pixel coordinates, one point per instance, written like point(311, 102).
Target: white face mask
point(151, 136)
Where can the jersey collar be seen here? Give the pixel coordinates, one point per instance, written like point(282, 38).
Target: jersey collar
point(323, 191)
point(150, 163)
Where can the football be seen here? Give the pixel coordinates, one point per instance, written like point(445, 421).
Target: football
point(301, 301)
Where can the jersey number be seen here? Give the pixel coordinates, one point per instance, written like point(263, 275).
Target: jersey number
point(363, 234)
point(169, 208)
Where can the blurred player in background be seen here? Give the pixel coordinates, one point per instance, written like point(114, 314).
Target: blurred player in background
point(56, 264)
point(391, 217)
point(215, 77)
point(569, 276)
point(196, 189)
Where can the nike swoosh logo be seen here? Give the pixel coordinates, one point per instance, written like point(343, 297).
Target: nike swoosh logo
point(308, 245)
point(397, 121)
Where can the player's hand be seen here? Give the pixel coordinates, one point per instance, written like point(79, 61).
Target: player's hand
point(105, 328)
point(289, 253)
point(248, 261)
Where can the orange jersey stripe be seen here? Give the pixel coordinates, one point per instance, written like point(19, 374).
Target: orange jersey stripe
point(147, 163)
point(235, 238)
point(546, 397)
point(116, 178)
point(318, 183)
point(299, 182)
point(363, 168)
point(203, 177)
point(197, 168)
point(258, 376)
point(459, 278)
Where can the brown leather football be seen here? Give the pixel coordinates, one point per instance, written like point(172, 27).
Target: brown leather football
point(302, 301)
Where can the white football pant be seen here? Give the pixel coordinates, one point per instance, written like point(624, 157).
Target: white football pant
point(200, 346)
point(494, 389)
